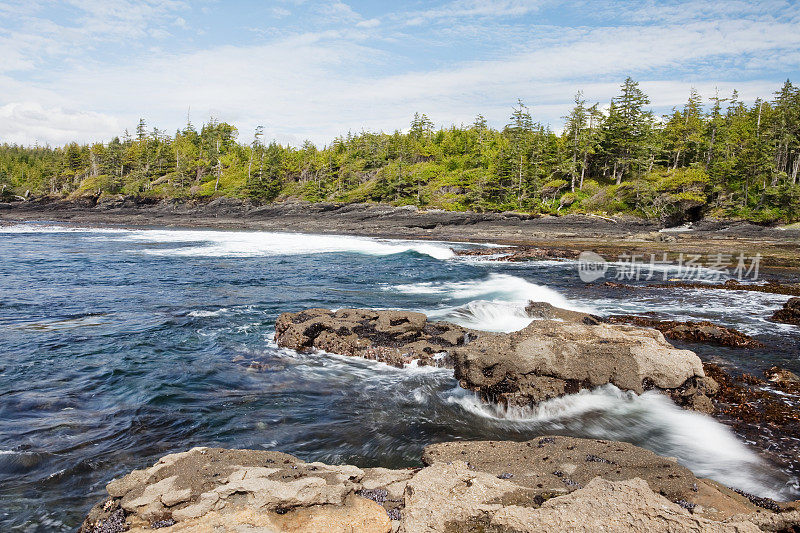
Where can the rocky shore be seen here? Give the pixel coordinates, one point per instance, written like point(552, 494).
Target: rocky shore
point(539, 236)
point(551, 483)
point(548, 484)
point(562, 352)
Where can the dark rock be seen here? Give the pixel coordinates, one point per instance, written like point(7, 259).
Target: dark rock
point(789, 313)
point(782, 377)
point(690, 331)
point(766, 413)
point(113, 522)
point(520, 253)
point(733, 285)
point(393, 337)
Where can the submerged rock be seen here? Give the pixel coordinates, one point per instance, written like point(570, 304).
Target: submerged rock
point(789, 313)
point(559, 353)
point(548, 484)
point(765, 412)
point(691, 331)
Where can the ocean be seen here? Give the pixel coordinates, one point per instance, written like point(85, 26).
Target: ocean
point(120, 345)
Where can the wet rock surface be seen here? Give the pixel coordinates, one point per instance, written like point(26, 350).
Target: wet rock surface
point(558, 465)
point(765, 412)
point(519, 253)
point(691, 331)
point(393, 337)
point(551, 483)
point(560, 353)
point(790, 289)
point(789, 313)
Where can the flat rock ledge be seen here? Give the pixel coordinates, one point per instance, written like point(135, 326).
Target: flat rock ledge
point(560, 352)
point(548, 484)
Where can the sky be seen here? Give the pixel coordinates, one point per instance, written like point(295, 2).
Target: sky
point(85, 70)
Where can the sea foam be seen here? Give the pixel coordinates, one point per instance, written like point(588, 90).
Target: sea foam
point(219, 243)
point(705, 446)
point(495, 303)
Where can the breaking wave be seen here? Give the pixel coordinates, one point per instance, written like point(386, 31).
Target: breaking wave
point(219, 243)
point(33, 227)
point(705, 446)
point(496, 303)
point(208, 243)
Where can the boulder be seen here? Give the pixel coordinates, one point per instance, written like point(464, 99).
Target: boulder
point(789, 313)
point(549, 358)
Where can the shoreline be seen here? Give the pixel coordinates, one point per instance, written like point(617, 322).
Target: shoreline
point(608, 236)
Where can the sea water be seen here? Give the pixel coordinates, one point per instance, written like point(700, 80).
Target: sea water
point(119, 345)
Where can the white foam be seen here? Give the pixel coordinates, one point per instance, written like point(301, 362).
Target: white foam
point(202, 313)
point(746, 311)
point(209, 243)
point(705, 446)
point(486, 316)
point(497, 301)
point(219, 243)
point(50, 228)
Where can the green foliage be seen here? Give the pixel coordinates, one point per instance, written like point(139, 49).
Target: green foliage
point(732, 159)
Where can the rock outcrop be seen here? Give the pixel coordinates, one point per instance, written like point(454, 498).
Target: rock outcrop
point(393, 337)
point(765, 412)
point(208, 488)
point(692, 331)
point(549, 484)
point(559, 353)
point(517, 254)
point(789, 313)
point(733, 285)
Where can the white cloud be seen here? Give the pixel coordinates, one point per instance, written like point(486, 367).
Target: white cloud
point(28, 123)
point(318, 84)
point(370, 23)
point(476, 8)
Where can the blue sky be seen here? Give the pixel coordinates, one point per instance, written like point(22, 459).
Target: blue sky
point(306, 69)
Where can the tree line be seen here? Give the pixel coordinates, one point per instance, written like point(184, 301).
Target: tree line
point(721, 157)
